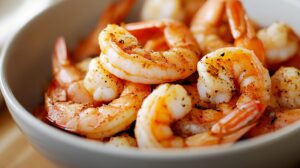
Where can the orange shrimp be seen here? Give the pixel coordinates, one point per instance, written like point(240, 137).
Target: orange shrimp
point(205, 26)
point(124, 56)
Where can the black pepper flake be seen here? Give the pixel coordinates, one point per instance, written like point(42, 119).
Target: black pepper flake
point(222, 54)
point(273, 120)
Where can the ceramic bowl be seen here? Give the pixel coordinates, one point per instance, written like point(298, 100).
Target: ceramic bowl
point(26, 71)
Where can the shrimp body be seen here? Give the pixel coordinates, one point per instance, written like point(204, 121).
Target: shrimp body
point(273, 120)
point(163, 106)
point(285, 106)
point(286, 88)
point(180, 10)
point(124, 57)
point(169, 9)
point(280, 43)
point(227, 71)
point(102, 85)
point(84, 85)
point(168, 103)
point(95, 122)
point(75, 103)
point(200, 119)
point(207, 25)
point(121, 141)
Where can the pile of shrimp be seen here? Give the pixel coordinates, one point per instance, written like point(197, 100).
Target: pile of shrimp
point(192, 73)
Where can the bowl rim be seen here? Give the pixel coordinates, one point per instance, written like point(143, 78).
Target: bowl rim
point(17, 109)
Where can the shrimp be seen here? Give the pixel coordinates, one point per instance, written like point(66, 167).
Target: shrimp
point(273, 120)
point(96, 122)
point(227, 71)
point(114, 13)
point(205, 27)
point(123, 56)
point(100, 84)
point(200, 119)
point(63, 69)
point(285, 107)
point(180, 10)
point(196, 121)
point(84, 82)
point(286, 88)
point(156, 44)
point(164, 105)
point(123, 140)
point(167, 9)
point(280, 42)
point(168, 103)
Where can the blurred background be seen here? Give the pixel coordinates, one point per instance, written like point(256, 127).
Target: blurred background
point(15, 151)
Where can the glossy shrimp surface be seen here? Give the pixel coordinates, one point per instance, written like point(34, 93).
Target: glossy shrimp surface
point(124, 57)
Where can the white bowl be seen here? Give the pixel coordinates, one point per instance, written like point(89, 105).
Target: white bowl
point(26, 71)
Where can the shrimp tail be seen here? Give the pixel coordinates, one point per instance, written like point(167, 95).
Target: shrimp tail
point(243, 116)
point(60, 54)
point(242, 29)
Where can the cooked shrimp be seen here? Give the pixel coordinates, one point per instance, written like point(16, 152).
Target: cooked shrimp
point(274, 120)
point(286, 88)
point(285, 107)
point(200, 119)
point(95, 122)
point(102, 85)
point(123, 140)
point(114, 13)
point(65, 72)
point(96, 85)
point(280, 43)
point(167, 9)
point(227, 71)
point(156, 44)
point(168, 103)
point(180, 10)
point(196, 121)
point(205, 27)
point(123, 56)
point(163, 106)
point(83, 66)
